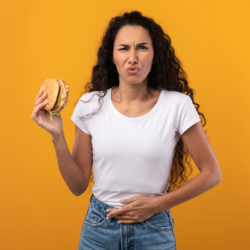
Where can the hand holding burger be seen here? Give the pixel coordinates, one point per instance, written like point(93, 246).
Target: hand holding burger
point(57, 95)
point(51, 100)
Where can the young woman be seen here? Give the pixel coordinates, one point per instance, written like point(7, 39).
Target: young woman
point(136, 124)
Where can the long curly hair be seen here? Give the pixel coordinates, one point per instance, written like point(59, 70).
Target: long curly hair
point(166, 73)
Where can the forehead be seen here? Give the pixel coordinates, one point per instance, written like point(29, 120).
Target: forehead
point(129, 34)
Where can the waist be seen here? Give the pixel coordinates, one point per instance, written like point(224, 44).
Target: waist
point(99, 205)
point(102, 206)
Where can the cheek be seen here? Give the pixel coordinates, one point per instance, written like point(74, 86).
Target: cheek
point(148, 65)
point(147, 59)
point(120, 58)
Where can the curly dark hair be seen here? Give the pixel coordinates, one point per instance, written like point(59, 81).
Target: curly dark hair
point(166, 73)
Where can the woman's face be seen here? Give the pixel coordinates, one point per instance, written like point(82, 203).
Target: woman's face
point(133, 47)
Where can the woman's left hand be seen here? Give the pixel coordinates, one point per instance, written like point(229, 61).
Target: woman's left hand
point(137, 209)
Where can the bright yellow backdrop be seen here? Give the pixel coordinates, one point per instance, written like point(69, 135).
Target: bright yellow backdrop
point(59, 39)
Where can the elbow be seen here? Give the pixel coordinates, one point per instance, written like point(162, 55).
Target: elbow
point(220, 179)
point(217, 182)
point(216, 175)
point(79, 192)
point(214, 178)
point(217, 178)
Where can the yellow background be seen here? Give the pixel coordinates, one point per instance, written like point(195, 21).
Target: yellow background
point(59, 39)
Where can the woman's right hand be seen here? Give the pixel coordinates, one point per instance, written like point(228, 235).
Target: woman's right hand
point(42, 116)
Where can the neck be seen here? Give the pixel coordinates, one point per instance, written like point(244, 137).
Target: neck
point(131, 94)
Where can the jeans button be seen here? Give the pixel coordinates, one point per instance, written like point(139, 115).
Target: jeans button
point(109, 219)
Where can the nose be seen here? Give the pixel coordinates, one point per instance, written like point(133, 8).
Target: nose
point(133, 59)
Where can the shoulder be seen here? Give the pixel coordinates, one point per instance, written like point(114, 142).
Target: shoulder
point(176, 94)
point(90, 100)
point(93, 95)
point(175, 97)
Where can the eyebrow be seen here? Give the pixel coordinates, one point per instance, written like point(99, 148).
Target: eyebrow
point(126, 45)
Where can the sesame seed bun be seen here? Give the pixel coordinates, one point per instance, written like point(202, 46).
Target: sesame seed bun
point(51, 87)
point(57, 94)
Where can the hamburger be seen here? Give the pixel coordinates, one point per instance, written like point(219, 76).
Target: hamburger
point(57, 95)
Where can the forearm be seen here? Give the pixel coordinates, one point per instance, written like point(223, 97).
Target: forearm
point(70, 171)
point(194, 187)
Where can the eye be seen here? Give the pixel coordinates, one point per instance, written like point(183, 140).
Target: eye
point(140, 47)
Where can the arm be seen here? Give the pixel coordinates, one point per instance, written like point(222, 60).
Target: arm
point(202, 153)
point(70, 171)
point(74, 169)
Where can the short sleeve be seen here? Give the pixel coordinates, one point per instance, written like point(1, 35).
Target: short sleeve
point(80, 111)
point(187, 117)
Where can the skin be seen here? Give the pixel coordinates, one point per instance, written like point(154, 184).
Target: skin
point(42, 117)
point(132, 96)
point(75, 168)
point(132, 99)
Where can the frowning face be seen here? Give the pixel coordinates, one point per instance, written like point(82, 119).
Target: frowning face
point(133, 48)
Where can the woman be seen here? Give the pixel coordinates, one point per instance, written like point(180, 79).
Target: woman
point(135, 138)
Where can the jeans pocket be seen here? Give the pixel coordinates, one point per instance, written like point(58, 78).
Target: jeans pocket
point(159, 222)
point(94, 217)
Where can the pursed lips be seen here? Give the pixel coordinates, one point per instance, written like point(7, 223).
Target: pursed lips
point(132, 68)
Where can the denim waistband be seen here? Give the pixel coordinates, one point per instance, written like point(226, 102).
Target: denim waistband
point(101, 206)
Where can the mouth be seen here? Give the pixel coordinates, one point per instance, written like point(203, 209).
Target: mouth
point(133, 71)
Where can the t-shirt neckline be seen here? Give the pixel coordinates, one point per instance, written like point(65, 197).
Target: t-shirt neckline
point(133, 118)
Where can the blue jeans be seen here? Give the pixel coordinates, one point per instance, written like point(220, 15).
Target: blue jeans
point(100, 232)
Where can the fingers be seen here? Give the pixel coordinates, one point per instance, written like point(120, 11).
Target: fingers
point(40, 98)
point(40, 105)
point(119, 212)
point(37, 108)
point(39, 94)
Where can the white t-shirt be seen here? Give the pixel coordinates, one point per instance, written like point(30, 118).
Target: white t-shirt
point(133, 156)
